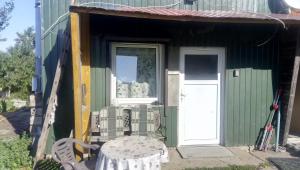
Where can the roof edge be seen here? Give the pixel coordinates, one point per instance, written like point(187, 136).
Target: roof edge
point(204, 16)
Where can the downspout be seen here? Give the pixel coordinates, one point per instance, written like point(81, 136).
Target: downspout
point(37, 84)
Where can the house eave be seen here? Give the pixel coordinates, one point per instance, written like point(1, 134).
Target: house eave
point(191, 16)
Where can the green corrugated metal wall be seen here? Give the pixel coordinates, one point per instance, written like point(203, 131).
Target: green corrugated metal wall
point(51, 47)
point(52, 43)
point(223, 5)
point(247, 97)
point(99, 67)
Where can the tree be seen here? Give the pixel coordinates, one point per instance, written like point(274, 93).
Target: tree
point(17, 65)
point(24, 45)
point(5, 11)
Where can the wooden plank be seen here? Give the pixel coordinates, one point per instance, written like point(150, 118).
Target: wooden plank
point(247, 96)
point(76, 67)
point(229, 95)
point(168, 128)
point(86, 74)
point(292, 91)
point(171, 125)
point(253, 97)
point(236, 97)
point(264, 82)
point(242, 93)
point(174, 125)
point(136, 39)
point(259, 89)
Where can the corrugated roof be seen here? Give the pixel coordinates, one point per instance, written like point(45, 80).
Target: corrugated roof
point(189, 15)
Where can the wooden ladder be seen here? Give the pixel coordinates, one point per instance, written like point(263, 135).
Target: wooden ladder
point(52, 102)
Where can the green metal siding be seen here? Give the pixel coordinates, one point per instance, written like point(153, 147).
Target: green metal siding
point(99, 88)
point(171, 114)
point(261, 6)
point(51, 48)
point(247, 97)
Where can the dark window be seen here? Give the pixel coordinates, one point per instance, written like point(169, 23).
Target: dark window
point(201, 67)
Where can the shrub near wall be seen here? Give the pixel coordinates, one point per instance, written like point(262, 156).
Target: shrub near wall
point(15, 153)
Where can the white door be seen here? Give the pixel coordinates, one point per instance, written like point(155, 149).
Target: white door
point(200, 93)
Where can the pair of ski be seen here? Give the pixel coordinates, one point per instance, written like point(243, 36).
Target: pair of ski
point(268, 131)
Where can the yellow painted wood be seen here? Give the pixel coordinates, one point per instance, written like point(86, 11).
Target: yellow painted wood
point(86, 74)
point(76, 65)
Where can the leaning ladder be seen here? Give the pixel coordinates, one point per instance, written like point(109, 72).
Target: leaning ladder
point(52, 102)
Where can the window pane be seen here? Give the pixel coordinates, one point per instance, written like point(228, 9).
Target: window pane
point(201, 67)
point(136, 72)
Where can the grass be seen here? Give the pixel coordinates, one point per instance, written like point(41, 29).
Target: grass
point(15, 153)
point(230, 167)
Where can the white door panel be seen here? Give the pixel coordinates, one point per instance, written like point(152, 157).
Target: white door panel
point(200, 111)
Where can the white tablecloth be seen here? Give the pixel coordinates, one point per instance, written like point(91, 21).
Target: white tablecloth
point(132, 153)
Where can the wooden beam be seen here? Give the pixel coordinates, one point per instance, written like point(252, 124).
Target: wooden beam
point(76, 67)
point(137, 39)
point(86, 74)
point(292, 91)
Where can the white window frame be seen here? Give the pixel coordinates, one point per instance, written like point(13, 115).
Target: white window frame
point(159, 69)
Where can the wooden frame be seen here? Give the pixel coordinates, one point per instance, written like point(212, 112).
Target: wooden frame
point(292, 91)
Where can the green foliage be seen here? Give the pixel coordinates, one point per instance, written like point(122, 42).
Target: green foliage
point(15, 153)
point(24, 44)
point(5, 10)
point(17, 65)
point(2, 106)
point(7, 106)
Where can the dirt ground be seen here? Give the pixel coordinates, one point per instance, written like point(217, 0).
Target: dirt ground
point(14, 123)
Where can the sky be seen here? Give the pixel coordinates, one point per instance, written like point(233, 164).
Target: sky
point(22, 17)
point(126, 68)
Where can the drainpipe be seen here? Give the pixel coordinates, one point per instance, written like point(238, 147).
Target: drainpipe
point(37, 83)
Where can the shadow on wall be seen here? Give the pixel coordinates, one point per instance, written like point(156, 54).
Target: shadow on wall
point(63, 124)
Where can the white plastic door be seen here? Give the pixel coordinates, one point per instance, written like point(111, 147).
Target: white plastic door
point(199, 108)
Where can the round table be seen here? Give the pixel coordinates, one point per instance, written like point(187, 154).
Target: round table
point(132, 152)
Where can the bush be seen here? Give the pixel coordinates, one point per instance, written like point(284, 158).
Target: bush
point(15, 153)
point(2, 106)
point(7, 106)
point(10, 106)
